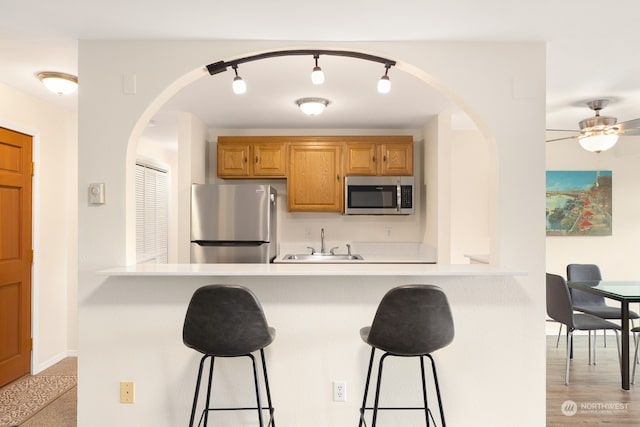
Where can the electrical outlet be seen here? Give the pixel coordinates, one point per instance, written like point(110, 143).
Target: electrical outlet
point(340, 391)
point(126, 392)
point(387, 231)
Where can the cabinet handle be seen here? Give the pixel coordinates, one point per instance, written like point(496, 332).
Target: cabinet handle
point(374, 159)
point(245, 160)
point(256, 159)
point(338, 177)
point(384, 158)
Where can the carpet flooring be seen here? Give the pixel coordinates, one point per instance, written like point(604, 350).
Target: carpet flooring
point(47, 399)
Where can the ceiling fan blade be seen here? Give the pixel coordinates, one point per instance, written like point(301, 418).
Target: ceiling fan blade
point(562, 139)
point(628, 126)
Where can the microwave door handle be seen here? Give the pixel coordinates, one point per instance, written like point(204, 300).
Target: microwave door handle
point(398, 197)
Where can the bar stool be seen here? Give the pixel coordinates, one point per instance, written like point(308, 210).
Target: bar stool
point(227, 321)
point(411, 321)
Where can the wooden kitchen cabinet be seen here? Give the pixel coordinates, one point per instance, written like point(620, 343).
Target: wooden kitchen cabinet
point(379, 156)
point(315, 181)
point(251, 157)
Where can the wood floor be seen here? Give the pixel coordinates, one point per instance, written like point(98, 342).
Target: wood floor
point(595, 389)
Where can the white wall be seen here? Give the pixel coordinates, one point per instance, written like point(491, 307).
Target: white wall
point(55, 206)
point(134, 323)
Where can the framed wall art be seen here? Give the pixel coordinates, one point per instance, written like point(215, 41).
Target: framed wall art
point(579, 203)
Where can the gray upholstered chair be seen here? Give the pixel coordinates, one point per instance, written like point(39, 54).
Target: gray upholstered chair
point(591, 303)
point(411, 321)
point(560, 309)
point(227, 321)
point(635, 355)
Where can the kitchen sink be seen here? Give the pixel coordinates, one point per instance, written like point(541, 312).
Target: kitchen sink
point(322, 257)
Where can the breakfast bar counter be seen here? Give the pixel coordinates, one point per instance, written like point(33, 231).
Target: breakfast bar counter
point(324, 269)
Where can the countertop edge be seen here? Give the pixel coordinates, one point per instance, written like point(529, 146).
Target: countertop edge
point(283, 269)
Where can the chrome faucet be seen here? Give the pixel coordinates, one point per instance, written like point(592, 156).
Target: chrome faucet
point(348, 248)
point(322, 240)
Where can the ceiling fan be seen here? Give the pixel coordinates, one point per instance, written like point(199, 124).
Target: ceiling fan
point(600, 133)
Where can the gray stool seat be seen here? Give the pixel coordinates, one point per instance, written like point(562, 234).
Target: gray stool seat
point(411, 321)
point(227, 321)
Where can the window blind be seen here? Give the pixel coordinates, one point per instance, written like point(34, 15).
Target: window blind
point(152, 206)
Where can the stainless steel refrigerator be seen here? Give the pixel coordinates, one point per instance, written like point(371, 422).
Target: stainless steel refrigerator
point(233, 223)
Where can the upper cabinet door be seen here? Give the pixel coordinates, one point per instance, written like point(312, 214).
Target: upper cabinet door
point(251, 157)
point(233, 160)
point(315, 182)
point(379, 155)
point(270, 160)
point(397, 158)
point(361, 158)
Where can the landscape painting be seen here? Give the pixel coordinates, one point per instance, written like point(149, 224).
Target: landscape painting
point(579, 203)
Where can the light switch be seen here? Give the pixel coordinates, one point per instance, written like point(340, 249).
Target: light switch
point(96, 193)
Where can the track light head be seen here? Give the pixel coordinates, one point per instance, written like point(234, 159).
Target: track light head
point(317, 75)
point(384, 84)
point(238, 85)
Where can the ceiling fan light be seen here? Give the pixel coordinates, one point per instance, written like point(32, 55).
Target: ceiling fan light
point(312, 106)
point(317, 76)
point(598, 142)
point(59, 83)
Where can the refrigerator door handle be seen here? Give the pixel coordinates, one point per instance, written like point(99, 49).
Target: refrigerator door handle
point(229, 242)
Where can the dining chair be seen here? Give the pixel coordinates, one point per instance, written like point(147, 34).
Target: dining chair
point(590, 303)
point(227, 321)
point(560, 308)
point(411, 321)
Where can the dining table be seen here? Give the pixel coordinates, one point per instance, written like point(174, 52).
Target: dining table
point(625, 292)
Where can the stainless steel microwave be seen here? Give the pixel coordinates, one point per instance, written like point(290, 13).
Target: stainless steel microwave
point(379, 195)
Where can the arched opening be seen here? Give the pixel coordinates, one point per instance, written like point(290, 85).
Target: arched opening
point(456, 161)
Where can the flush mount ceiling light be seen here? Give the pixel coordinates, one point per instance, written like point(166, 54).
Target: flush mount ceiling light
point(384, 84)
point(59, 83)
point(317, 75)
point(312, 106)
point(238, 85)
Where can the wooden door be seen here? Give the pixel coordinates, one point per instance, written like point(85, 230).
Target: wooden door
point(315, 179)
point(15, 255)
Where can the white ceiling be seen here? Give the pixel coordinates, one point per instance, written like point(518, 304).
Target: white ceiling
point(591, 53)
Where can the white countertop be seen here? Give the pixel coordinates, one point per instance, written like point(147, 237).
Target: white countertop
point(350, 269)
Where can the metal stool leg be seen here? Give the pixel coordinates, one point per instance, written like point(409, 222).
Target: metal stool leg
point(257, 385)
point(435, 381)
point(272, 421)
point(424, 391)
point(366, 388)
point(207, 404)
point(377, 398)
point(197, 392)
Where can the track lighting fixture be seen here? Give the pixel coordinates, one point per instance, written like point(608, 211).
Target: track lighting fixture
point(317, 76)
point(239, 86)
point(384, 84)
